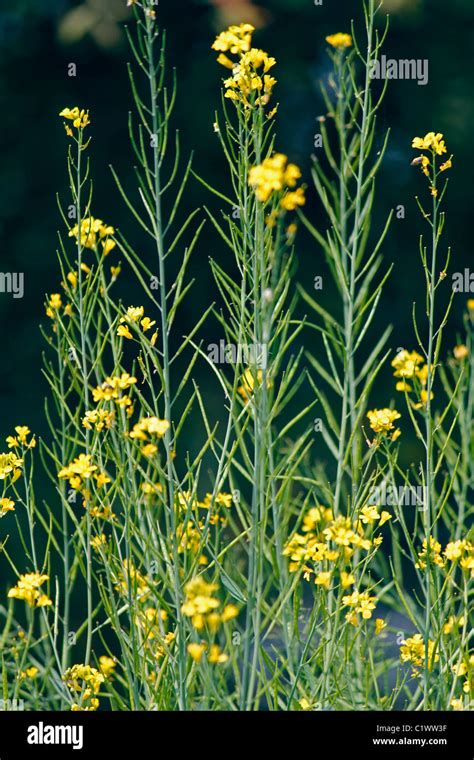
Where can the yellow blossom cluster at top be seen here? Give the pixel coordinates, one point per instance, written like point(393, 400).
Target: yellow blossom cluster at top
point(204, 608)
point(149, 427)
point(79, 117)
point(410, 365)
point(135, 315)
point(28, 588)
point(461, 551)
point(250, 83)
point(98, 419)
point(93, 232)
point(81, 470)
point(112, 390)
point(325, 548)
point(340, 40)
point(276, 177)
point(85, 681)
point(10, 466)
point(21, 438)
point(433, 143)
point(382, 422)
point(413, 650)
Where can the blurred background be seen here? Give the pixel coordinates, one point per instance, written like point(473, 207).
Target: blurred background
point(39, 39)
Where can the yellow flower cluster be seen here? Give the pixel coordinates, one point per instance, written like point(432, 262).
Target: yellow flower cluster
point(382, 422)
point(28, 588)
point(204, 608)
point(431, 141)
point(235, 40)
point(10, 466)
point(325, 547)
point(435, 144)
point(79, 117)
point(149, 427)
point(360, 603)
point(275, 176)
point(250, 83)
point(461, 551)
point(94, 231)
point(413, 650)
point(85, 681)
point(410, 365)
point(21, 438)
point(135, 316)
point(340, 40)
point(107, 666)
point(98, 419)
point(112, 390)
point(215, 657)
point(6, 505)
point(81, 470)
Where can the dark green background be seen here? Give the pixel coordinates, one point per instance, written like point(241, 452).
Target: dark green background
point(34, 87)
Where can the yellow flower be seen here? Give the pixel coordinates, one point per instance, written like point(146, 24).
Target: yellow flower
point(381, 420)
point(323, 579)
point(361, 602)
point(430, 141)
point(28, 589)
point(54, 304)
point(384, 517)
point(216, 656)
point(292, 200)
point(339, 40)
point(6, 505)
point(196, 651)
point(380, 624)
point(369, 515)
point(86, 681)
point(98, 419)
point(460, 352)
point(447, 165)
point(276, 175)
point(98, 541)
point(413, 650)
point(406, 365)
point(107, 666)
point(236, 39)
point(79, 118)
point(124, 332)
point(457, 704)
point(10, 465)
point(347, 580)
point(94, 232)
